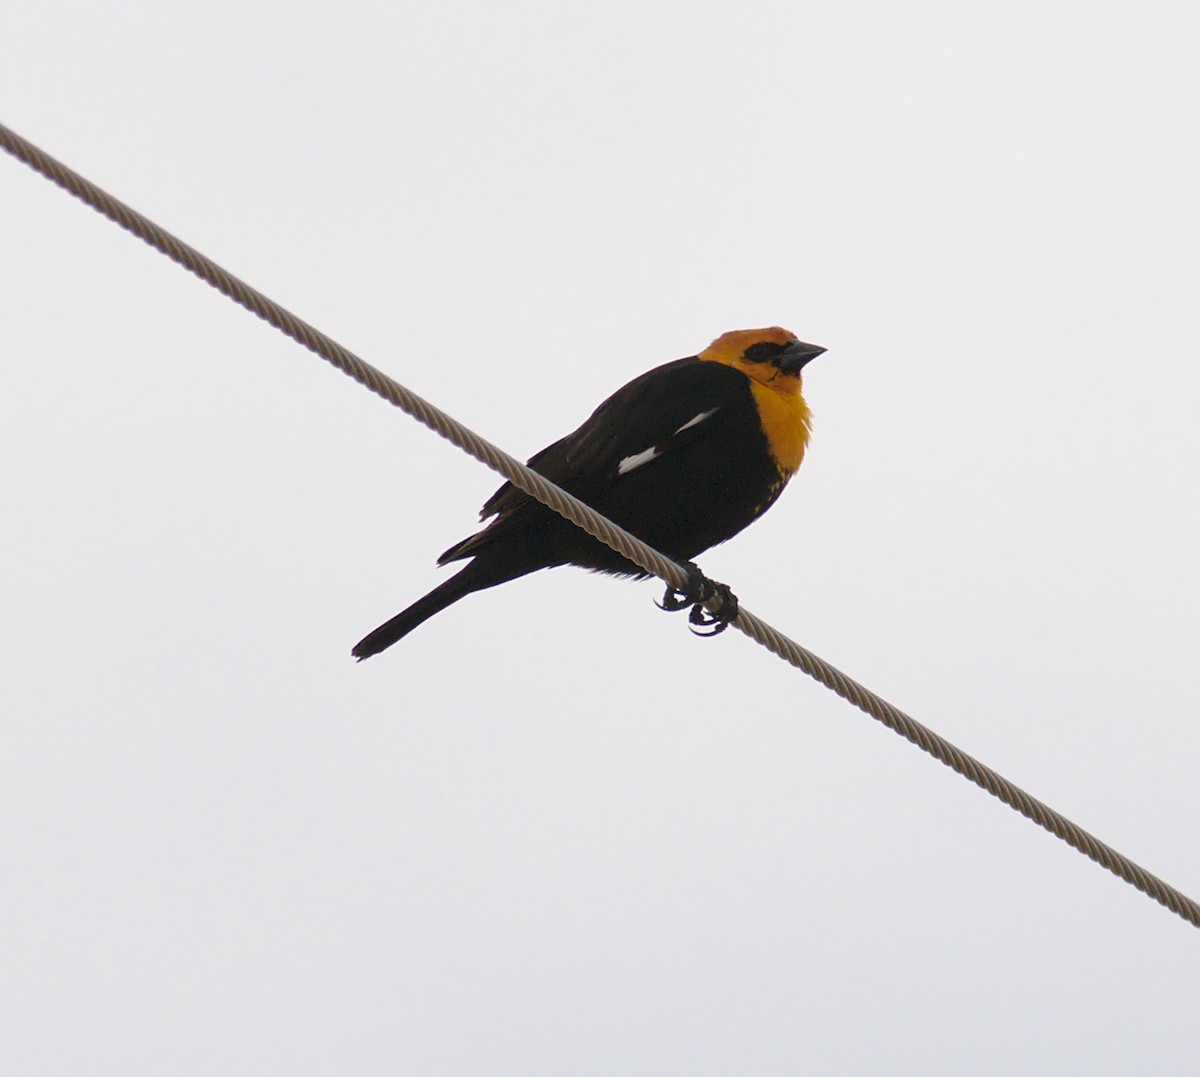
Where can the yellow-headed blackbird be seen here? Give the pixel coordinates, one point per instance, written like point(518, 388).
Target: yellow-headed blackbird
point(684, 456)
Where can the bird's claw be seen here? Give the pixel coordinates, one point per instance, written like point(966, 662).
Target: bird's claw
point(716, 623)
point(673, 601)
point(697, 591)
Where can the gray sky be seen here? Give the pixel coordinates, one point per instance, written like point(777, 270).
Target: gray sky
point(551, 832)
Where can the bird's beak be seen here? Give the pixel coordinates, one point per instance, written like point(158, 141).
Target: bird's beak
point(796, 354)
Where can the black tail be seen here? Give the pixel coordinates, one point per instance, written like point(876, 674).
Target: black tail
point(420, 611)
point(473, 577)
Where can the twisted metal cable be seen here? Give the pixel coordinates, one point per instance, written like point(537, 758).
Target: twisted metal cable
point(605, 530)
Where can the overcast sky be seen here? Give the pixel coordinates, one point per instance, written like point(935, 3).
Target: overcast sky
point(551, 832)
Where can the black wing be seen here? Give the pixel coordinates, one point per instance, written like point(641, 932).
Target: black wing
point(657, 413)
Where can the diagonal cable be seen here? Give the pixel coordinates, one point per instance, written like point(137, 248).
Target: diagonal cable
point(591, 521)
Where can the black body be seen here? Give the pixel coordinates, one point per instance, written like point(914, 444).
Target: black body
point(708, 481)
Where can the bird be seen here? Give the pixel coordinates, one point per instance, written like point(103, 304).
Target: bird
point(685, 456)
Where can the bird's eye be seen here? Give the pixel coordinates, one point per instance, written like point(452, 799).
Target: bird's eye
point(763, 351)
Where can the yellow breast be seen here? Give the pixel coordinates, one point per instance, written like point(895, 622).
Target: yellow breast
point(786, 421)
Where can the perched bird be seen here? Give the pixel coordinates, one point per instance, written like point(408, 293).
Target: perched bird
point(684, 456)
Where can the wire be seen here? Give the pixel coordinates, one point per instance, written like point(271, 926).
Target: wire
point(605, 530)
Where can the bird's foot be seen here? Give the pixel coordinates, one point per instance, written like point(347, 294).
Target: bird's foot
point(698, 590)
point(715, 623)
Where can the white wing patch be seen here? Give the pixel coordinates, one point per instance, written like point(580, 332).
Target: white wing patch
point(698, 419)
point(637, 460)
point(654, 452)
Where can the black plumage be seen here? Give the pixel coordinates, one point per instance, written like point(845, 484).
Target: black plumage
point(680, 457)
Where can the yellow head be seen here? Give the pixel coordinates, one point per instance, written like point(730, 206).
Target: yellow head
point(772, 359)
